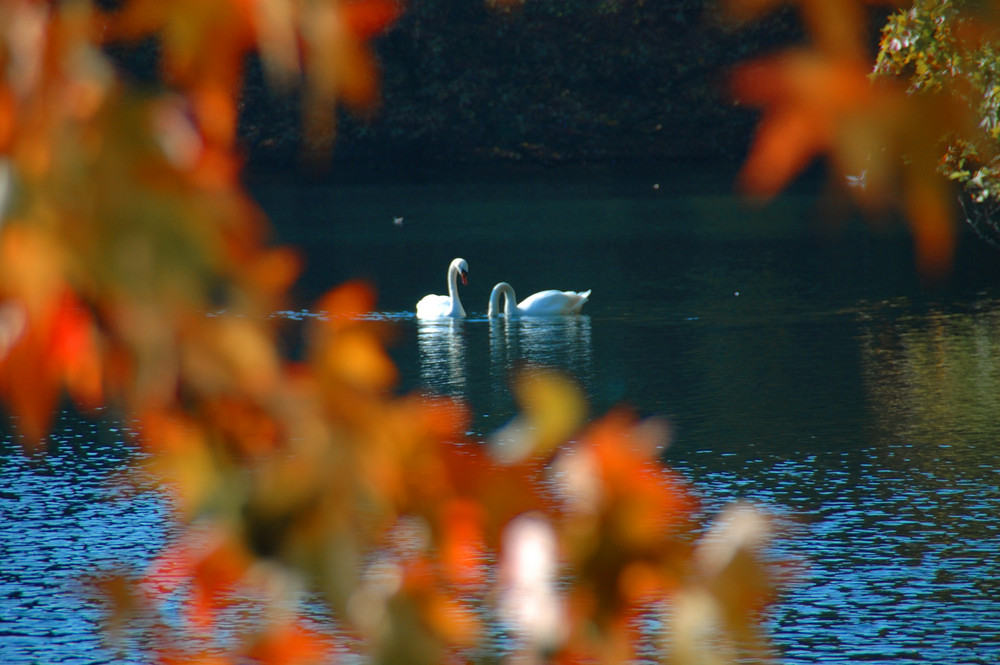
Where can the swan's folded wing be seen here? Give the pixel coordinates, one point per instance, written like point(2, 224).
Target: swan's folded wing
point(552, 303)
point(432, 306)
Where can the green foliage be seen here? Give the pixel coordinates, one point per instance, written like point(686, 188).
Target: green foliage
point(952, 47)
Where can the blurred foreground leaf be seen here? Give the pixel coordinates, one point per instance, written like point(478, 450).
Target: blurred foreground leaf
point(878, 136)
point(136, 275)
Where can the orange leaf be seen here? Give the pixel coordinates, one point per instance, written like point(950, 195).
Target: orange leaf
point(274, 21)
point(807, 97)
point(367, 18)
point(138, 19)
point(339, 64)
point(931, 221)
point(216, 169)
point(175, 564)
point(450, 620)
point(273, 271)
point(290, 645)
point(28, 384)
point(8, 117)
point(347, 302)
point(650, 494)
point(215, 106)
point(357, 358)
point(51, 347)
point(215, 575)
point(443, 419)
point(462, 546)
point(31, 268)
point(74, 350)
point(640, 582)
point(358, 78)
point(785, 143)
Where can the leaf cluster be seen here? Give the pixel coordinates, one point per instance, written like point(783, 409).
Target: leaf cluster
point(136, 278)
point(952, 46)
point(929, 106)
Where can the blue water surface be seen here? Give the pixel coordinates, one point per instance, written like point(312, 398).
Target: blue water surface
point(807, 368)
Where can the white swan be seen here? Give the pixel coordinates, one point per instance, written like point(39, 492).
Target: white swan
point(543, 303)
point(434, 306)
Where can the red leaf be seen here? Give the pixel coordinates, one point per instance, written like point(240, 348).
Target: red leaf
point(74, 350)
point(290, 645)
point(348, 301)
point(807, 98)
point(56, 347)
point(463, 546)
point(367, 18)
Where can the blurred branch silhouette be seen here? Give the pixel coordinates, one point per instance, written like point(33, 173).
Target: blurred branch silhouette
point(136, 277)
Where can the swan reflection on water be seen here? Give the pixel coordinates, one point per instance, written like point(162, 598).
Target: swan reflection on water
point(452, 353)
point(441, 346)
point(563, 342)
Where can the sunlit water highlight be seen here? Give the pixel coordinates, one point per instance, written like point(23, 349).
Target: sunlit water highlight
point(814, 377)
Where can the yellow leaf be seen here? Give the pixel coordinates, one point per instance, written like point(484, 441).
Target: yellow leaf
point(553, 409)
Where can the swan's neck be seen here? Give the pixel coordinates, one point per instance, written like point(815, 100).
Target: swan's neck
point(456, 303)
point(510, 300)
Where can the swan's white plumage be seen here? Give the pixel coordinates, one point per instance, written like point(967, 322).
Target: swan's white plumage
point(435, 306)
point(543, 303)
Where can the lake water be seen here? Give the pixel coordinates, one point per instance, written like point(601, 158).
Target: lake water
point(806, 368)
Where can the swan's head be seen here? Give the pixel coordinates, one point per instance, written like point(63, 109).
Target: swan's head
point(462, 268)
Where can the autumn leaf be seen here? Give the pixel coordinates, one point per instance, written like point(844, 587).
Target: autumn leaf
point(463, 550)
point(180, 460)
point(816, 106)
point(503, 490)
point(75, 353)
point(366, 19)
point(346, 303)
point(204, 47)
point(232, 354)
point(651, 500)
point(806, 98)
point(272, 273)
point(277, 40)
point(48, 350)
point(553, 407)
point(290, 644)
point(340, 64)
point(136, 263)
point(214, 577)
point(8, 117)
point(340, 67)
point(348, 352)
point(932, 222)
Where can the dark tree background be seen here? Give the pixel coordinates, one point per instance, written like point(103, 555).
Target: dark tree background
point(562, 81)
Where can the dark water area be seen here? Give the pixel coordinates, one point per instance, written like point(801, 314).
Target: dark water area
point(806, 367)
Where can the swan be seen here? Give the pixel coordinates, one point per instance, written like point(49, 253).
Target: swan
point(434, 306)
point(543, 303)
